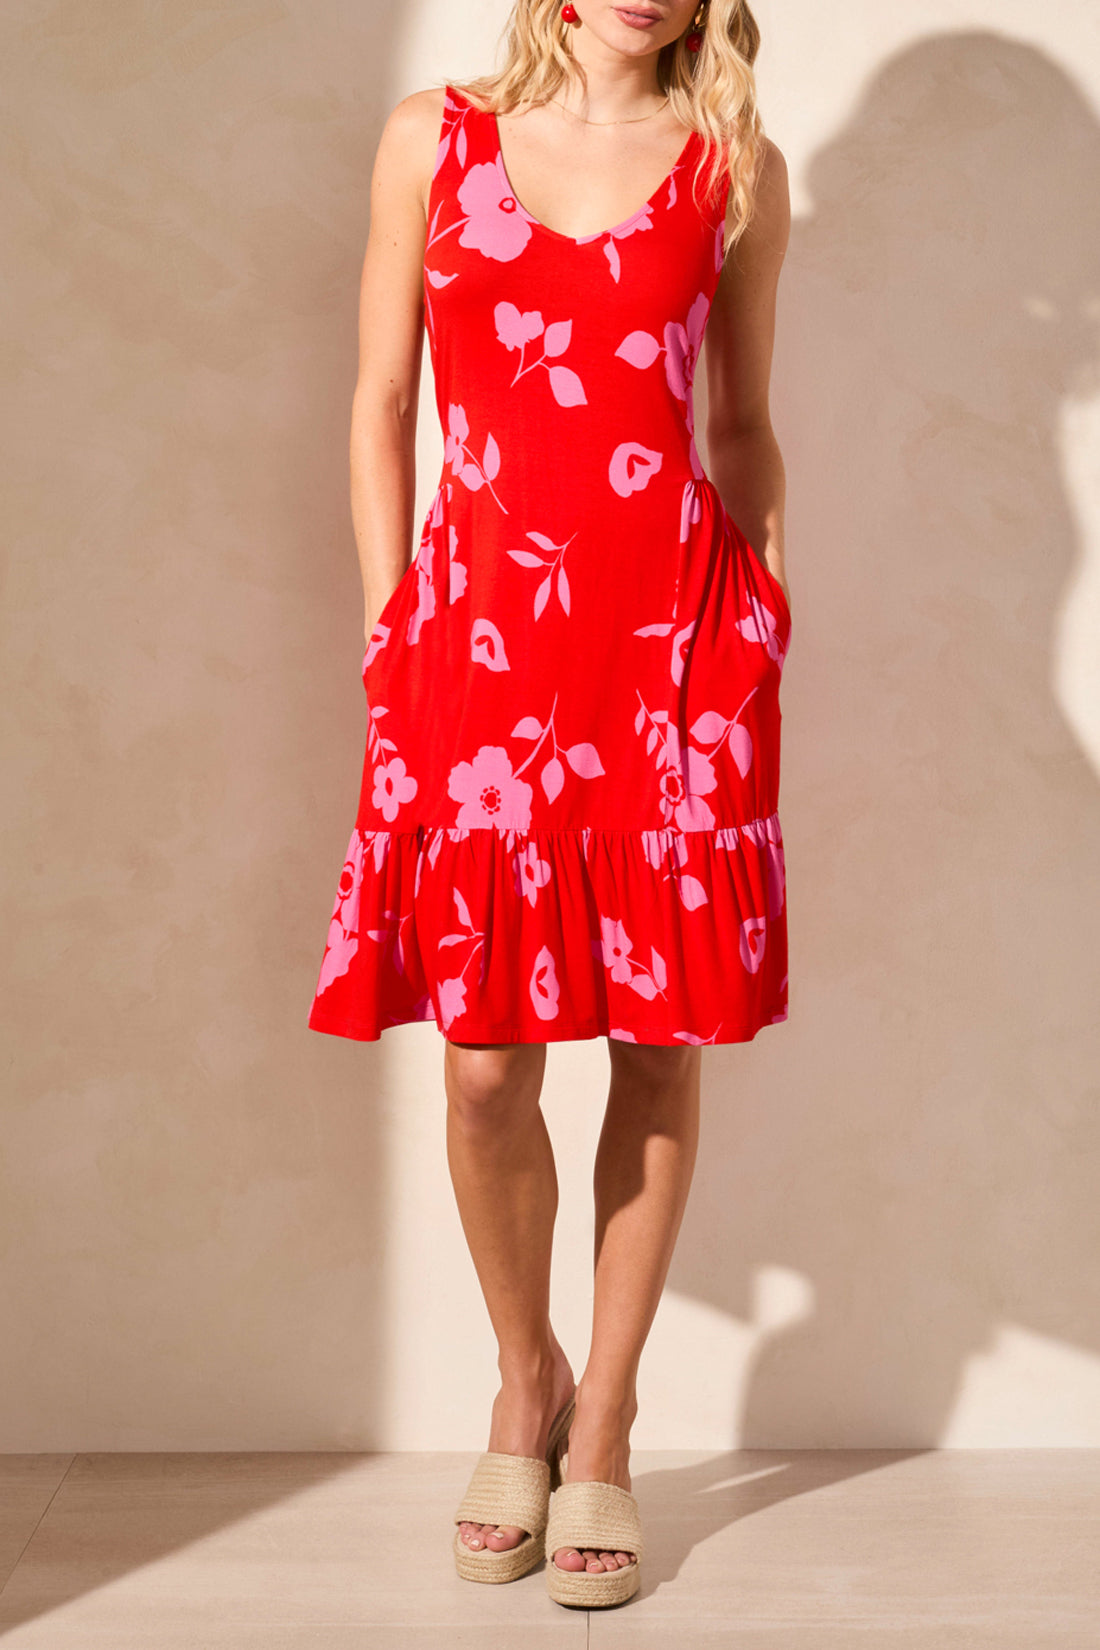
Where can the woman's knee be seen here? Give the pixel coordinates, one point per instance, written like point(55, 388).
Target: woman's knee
point(492, 1083)
point(654, 1068)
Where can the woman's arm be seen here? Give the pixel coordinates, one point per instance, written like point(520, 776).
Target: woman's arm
point(744, 458)
point(391, 340)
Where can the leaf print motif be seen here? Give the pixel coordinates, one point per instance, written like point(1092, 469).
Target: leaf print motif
point(678, 655)
point(516, 329)
point(587, 763)
point(712, 729)
point(567, 387)
point(556, 339)
point(641, 349)
point(563, 589)
point(553, 778)
point(762, 626)
point(641, 220)
point(631, 467)
point(528, 558)
point(487, 645)
point(669, 851)
point(584, 759)
point(682, 342)
point(463, 464)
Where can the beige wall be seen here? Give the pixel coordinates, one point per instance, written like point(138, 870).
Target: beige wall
point(221, 1230)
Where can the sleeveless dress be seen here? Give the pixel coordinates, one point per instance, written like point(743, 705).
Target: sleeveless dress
point(568, 820)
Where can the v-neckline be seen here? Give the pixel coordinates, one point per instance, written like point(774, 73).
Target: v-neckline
point(597, 234)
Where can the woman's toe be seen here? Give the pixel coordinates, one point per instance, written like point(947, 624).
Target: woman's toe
point(501, 1537)
point(568, 1558)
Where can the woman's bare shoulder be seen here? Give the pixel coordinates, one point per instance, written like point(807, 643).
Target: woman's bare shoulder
point(770, 221)
point(409, 140)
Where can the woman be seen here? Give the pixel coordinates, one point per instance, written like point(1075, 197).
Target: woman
point(586, 599)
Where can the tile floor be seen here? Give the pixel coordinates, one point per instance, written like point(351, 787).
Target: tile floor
point(776, 1549)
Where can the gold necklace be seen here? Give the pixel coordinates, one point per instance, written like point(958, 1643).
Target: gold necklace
point(633, 121)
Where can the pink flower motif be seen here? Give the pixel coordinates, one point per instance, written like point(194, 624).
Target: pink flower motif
point(688, 775)
point(452, 1000)
point(515, 329)
point(531, 872)
point(496, 225)
point(487, 645)
point(457, 569)
point(752, 936)
point(544, 986)
point(761, 626)
point(631, 467)
point(392, 786)
point(343, 929)
point(691, 507)
point(489, 792)
point(682, 348)
point(425, 599)
point(617, 946)
point(458, 428)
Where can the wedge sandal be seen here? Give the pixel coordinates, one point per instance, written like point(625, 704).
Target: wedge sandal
point(512, 1490)
point(606, 1518)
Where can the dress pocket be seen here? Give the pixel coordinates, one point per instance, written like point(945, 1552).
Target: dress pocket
point(389, 610)
point(772, 582)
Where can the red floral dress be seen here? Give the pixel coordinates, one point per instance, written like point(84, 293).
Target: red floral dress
point(568, 821)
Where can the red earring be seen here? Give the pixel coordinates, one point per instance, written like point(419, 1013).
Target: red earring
point(695, 39)
point(569, 14)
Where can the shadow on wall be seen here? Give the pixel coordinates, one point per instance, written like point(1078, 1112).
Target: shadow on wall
point(928, 1173)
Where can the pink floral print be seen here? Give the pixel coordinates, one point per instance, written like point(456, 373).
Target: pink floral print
point(568, 817)
point(516, 330)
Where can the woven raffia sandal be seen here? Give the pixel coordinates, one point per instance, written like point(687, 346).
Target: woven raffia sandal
point(604, 1517)
point(512, 1490)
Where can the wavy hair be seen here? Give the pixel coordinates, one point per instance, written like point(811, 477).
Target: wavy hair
point(712, 90)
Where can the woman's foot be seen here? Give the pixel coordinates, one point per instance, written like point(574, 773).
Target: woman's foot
point(523, 1413)
point(599, 1447)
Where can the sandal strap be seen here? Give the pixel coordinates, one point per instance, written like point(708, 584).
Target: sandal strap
point(592, 1514)
point(507, 1489)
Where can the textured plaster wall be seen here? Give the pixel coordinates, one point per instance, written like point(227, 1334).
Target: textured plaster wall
point(220, 1230)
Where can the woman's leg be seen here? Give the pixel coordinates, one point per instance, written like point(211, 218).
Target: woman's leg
point(643, 1170)
point(506, 1187)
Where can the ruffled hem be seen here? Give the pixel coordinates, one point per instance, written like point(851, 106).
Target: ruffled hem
point(514, 936)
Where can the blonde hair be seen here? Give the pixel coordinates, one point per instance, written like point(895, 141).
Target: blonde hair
point(713, 90)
